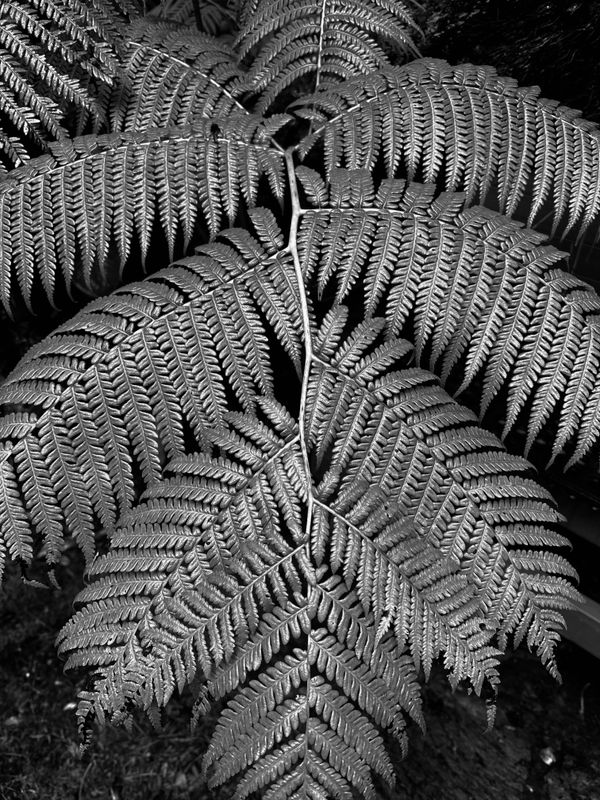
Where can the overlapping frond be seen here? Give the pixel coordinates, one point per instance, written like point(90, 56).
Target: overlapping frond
point(171, 76)
point(307, 572)
point(192, 586)
point(187, 578)
point(310, 571)
point(480, 293)
point(91, 413)
point(210, 16)
point(284, 42)
point(424, 512)
point(63, 214)
point(49, 51)
point(470, 127)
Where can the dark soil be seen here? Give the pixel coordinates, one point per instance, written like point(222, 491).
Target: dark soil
point(545, 744)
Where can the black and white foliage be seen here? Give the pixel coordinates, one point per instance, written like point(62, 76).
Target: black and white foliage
point(49, 51)
point(301, 519)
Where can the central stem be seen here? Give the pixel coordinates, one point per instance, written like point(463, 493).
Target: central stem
point(307, 331)
point(321, 44)
point(292, 247)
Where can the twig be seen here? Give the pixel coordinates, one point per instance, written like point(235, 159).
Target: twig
point(82, 781)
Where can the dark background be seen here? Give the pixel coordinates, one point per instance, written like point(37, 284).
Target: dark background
point(552, 44)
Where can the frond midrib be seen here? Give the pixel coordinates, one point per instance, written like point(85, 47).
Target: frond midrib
point(191, 68)
point(459, 488)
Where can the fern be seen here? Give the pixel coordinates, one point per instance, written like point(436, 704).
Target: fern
point(453, 121)
point(48, 53)
point(479, 290)
point(190, 575)
point(171, 77)
point(430, 538)
point(95, 192)
point(142, 366)
point(284, 42)
point(295, 519)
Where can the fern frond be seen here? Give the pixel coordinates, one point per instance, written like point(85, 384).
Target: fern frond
point(256, 700)
point(95, 194)
point(275, 630)
point(481, 293)
point(377, 689)
point(339, 570)
point(211, 16)
point(98, 405)
point(355, 631)
point(262, 696)
point(285, 42)
point(48, 54)
point(396, 472)
point(380, 682)
point(383, 693)
point(468, 126)
point(196, 582)
point(172, 76)
point(298, 523)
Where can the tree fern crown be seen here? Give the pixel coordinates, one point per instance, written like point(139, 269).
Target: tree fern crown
point(259, 448)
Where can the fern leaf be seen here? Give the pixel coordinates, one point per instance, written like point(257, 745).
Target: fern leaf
point(189, 608)
point(464, 125)
point(404, 412)
point(261, 696)
point(337, 554)
point(48, 54)
point(194, 580)
point(414, 536)
point(143, 369)
point(480, 292)
point(130, 181)
point(210, 16)
point(286, 42)
point(299, 522)
point(171, 76)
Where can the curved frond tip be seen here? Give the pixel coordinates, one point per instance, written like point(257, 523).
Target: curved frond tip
point(283, 43)
point(468, 126)
point(97, 195)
